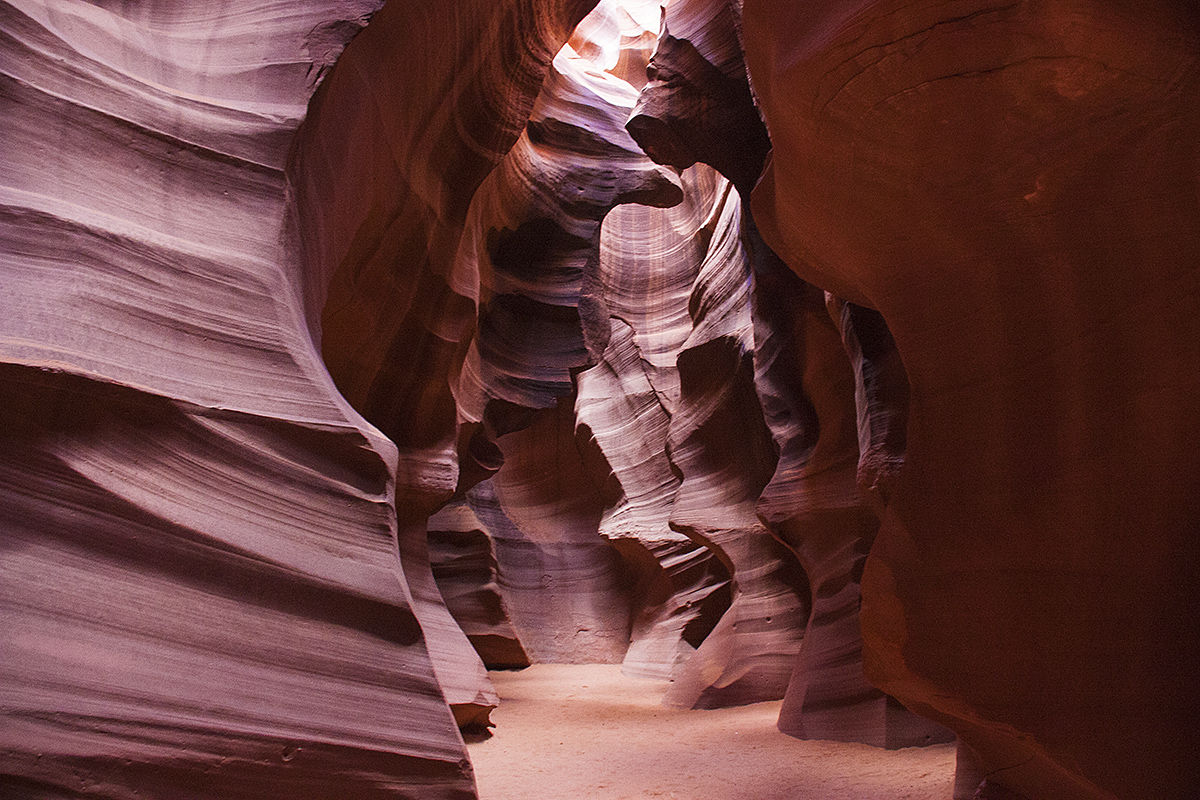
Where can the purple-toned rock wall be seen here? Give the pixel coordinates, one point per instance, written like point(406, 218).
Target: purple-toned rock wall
point(839, 353)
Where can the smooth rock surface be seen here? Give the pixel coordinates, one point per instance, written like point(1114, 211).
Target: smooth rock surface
point(419, 110)
point(462, 556)
point(1013, 188)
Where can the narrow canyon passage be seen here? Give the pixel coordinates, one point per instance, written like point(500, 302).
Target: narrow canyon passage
point(788, 382)
point(587, 731)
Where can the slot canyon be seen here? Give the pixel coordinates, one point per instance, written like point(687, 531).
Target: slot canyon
point(356, 356)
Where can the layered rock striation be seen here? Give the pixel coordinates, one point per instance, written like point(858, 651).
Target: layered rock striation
point(384, 171)
point(698, 106)
point(201, 594)
point(338, 355)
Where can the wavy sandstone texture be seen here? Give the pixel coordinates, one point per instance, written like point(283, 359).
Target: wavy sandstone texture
point(201, 595)
point(649, 259)
point(400, 136)
point(697, 106)
point(203, 533)
point(533, 238)
point(323, 380)
point(462, 555)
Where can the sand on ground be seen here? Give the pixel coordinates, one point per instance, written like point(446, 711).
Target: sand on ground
point(586, 731)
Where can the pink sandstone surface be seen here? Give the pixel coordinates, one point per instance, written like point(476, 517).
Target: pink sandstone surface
point(347, 346)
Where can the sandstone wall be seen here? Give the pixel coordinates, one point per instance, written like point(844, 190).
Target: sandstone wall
point(201, 594)
point(1014, 190)
point(296, 305)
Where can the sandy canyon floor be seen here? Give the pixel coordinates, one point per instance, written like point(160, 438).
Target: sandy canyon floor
point(569, 731)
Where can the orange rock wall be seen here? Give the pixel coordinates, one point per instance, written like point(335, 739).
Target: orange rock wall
point(1014, 189)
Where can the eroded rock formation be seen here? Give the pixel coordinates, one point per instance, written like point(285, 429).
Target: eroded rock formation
point(267, 354)
point(462, 555)
point(201, 595)
point(1013, 188)
point(649, 260)
point(384, 173)
point(698, 107)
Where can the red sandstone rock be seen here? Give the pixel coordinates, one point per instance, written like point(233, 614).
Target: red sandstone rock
point(405, 130)
point(721, 446)
point(217, 581)
point(632, 401)
point(533, 238)
point(566, 588)
point(1013, 189)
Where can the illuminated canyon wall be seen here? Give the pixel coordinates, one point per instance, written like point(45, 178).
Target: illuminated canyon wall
point(348, 348)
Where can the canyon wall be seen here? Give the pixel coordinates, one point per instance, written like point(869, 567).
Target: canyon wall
point(201, 593)
point(1013, 188)
point(350, 347)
